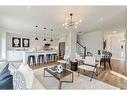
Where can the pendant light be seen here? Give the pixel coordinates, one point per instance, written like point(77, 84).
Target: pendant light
point(70, 22)
point(36, 38)
point(44, 34)
point(51, 35)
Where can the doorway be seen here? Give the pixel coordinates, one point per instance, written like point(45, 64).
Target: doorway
point(61, 50)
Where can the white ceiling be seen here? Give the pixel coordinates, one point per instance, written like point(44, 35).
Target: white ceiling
point(21, 19)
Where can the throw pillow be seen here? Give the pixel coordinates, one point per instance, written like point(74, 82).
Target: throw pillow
point(18, 78)
point(6, 79)
point(28, 74)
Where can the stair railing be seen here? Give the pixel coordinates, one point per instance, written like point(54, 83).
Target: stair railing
point(83, 49)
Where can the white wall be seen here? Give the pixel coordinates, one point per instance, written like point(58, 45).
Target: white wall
point(14, 55)
point(2, 44)
point(114, 42)
point(33, 43)
point(92, 41)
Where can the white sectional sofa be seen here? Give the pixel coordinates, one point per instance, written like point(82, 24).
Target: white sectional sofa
point(36, 85)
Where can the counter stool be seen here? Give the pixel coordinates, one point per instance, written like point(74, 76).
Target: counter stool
point(33, 59)
point(48, 57)
point(54, 57)
point(40, 59)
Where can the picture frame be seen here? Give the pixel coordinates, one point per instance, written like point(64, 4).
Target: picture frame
point(25, 42)
point(16, 42)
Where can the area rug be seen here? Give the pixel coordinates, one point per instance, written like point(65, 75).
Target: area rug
point(80, 82)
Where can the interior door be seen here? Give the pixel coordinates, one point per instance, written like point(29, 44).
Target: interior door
point(61, 50)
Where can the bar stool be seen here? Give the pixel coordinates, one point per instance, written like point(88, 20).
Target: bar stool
point(54, 57)
point(33, 59)
point(40, 59)
point(48, 57)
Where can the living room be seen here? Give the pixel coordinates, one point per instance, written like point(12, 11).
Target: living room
point(35, 41)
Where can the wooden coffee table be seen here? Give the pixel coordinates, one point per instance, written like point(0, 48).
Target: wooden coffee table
point(59, 76)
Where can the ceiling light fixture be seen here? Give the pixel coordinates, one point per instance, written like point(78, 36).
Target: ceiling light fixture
point(28, 7)
point(44, 34)
point(36, 38)
point(101, 19)
point(51, 35)
point(114, 31)
point(70, 23)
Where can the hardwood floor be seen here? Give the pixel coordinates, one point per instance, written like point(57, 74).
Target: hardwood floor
point(116, 77)
point(43, 65)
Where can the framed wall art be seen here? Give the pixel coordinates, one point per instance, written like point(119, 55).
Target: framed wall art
point(16, 42)
point(25, 42)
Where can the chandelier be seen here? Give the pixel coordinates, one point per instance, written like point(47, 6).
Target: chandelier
point(70, 23)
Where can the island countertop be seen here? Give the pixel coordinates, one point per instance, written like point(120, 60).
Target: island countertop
point(44, 51)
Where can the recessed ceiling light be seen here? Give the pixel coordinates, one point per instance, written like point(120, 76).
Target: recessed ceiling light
point(28, 7)
point(114, 31)
point(101, 19)
point(80, 20)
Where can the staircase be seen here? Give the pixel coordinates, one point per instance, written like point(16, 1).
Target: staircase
point(81, 50)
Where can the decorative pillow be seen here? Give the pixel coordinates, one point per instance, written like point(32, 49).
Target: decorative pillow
point(18, 78)
point(28, 74)
point(19, 81)
point(6, 79)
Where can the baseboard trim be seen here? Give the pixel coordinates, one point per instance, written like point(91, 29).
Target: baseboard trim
point(117, 59)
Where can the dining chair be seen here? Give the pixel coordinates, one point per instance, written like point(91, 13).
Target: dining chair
point(106, 58)
point(89, 64)
point(89, 54)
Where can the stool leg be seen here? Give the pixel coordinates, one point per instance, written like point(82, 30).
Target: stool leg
point(34, 61)
point(28, 61)
point(42, 59)
point(39, 60)
point(47, 59)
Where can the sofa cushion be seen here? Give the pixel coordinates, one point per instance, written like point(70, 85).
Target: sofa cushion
point(6, 79)
point(28, 74)
point(18, 78)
